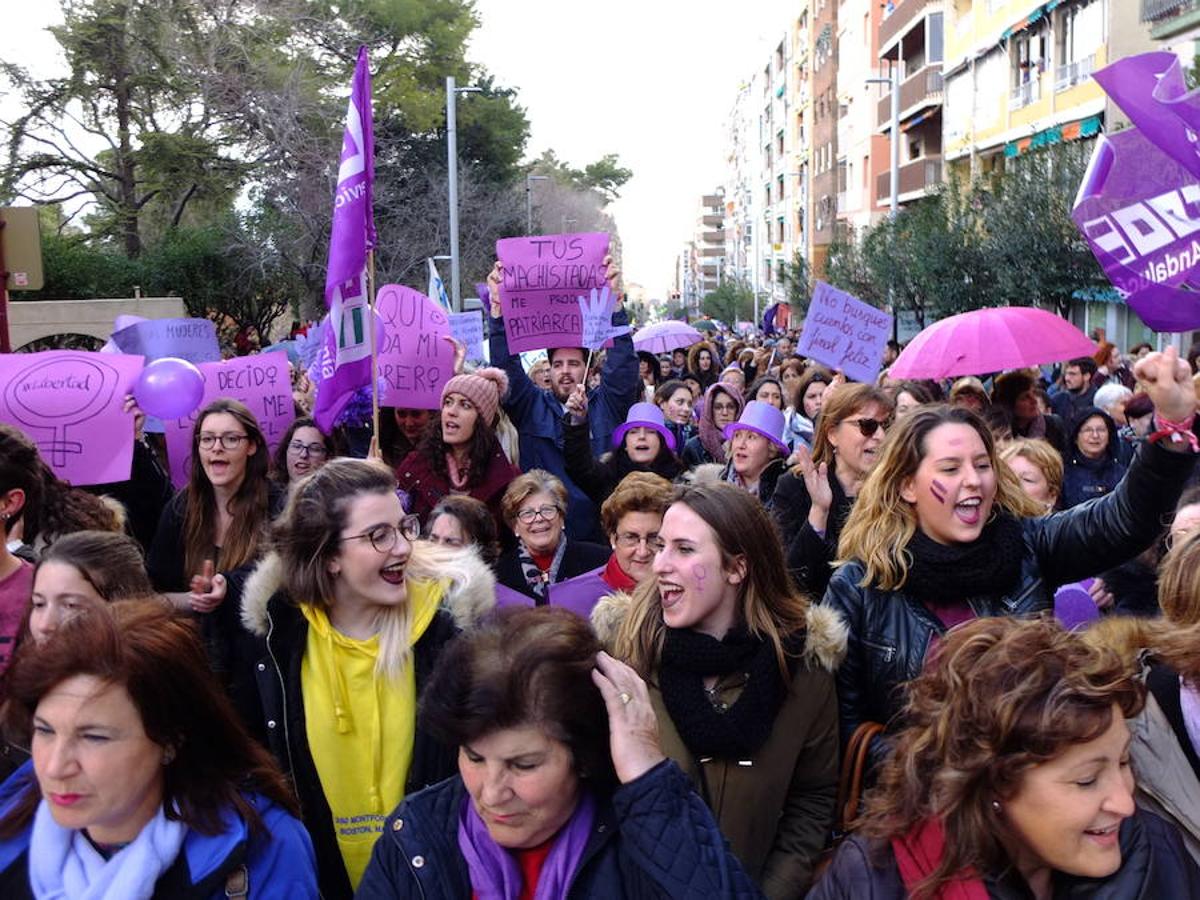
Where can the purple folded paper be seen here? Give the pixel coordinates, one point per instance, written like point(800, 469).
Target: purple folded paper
point(578, 594)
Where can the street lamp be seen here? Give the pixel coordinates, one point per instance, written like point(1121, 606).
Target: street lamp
point(452, 92)
point(529, 180)
point(565, 220)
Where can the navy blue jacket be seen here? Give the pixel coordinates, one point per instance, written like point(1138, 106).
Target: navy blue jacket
point(1154, 865)
point(538, 416)
point(655, 839)
point(279, 864)
point(1085, 478)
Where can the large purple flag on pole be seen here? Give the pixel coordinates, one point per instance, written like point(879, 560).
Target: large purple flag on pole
point(1139, 203)
point(345, 360)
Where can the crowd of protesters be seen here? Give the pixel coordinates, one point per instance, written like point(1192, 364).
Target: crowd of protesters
point(626, 631)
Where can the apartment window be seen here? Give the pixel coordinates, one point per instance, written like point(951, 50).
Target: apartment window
point(779, 142)
point(866, 171)
point(1078, 35)
point(779, 187)
point(933, 52)
point(1029, 56)
point(780, 230)
point(867, 30)
point(768, 194)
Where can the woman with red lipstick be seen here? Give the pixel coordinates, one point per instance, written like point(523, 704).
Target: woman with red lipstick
point(562, 790)
point(942, 533)
point(1012, 779)
point(462, 454)
point(740, 669)
point(339, 629)
point(216, 523)
point(143, 783)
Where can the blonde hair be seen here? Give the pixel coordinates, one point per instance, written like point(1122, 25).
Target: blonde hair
point(882, 523)
point(768, 603)
point(1041, 454)
point(1179, 582)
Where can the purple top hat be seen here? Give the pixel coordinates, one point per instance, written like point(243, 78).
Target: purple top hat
point(644, 415)
point(762, 418)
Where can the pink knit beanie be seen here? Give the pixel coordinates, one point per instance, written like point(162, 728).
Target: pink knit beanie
point(485, 388)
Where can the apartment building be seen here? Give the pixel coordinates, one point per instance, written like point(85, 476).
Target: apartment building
point(1174, 25)
point(824, 132)
point(862, 148)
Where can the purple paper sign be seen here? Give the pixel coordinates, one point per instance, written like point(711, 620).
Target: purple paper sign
point(844, 333)
point(260, 381)
point(543, 279)
point(467, 328)
point(414, 360)
point(578, 594)
point(69, 403)
point(192, 339)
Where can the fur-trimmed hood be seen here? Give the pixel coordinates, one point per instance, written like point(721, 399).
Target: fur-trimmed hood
point(824, 643)
point(470, 595)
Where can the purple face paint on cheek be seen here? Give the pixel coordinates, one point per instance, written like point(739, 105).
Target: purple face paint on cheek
point(938, 490)
point(699, 572)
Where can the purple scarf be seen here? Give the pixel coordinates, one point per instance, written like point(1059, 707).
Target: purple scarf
point(495, 874)
point(711, 436)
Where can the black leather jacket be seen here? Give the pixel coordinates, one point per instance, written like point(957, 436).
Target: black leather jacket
point(891, 631)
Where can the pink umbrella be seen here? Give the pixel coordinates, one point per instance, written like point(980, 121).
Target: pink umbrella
point(663, 337)
point(990, 340)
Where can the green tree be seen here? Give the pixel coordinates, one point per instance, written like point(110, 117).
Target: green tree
point(799, 282)
point(731, 302)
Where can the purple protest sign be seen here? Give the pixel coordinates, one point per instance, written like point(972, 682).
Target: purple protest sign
point(261, 381)
point(69, 403)
point(415, 361)
point(192, 339)
point(543, 279)
point(578, 594)
point(1140, 212)
point(844, 333)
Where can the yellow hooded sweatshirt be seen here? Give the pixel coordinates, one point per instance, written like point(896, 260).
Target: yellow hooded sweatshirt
point(360, 726)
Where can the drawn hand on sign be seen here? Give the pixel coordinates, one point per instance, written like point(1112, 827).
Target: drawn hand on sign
point(577, 404)
point(460, 353)
point(494, 280)
point(207, 589)
point(139, 417)
point(58, 394)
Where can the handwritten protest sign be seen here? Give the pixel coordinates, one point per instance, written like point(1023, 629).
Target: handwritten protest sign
point(260, 381)
point(596, 311)
point(192, 339)
point(69, 404)
point(543, 280)
point(467, 328)
point(844, 333)
point(414, 360)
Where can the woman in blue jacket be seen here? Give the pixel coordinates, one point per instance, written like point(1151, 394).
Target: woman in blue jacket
point(562, 791)
point(142, 782)
point(1092, 465)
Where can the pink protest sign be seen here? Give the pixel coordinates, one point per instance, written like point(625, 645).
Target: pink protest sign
point(261, 381)
point(69, 403)
point(544, 277)
point(415, 360)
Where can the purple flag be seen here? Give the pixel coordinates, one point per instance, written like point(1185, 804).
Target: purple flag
point(1152, 90)
point(345, 359)
point(1139, 204)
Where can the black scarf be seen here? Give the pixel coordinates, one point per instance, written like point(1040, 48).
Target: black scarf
point(723, 732)
point(989, 566)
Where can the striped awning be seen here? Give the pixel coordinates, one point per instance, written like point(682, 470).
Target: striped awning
point(1071, 131)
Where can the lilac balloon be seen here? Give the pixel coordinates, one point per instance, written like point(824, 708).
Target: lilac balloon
point(169, 388)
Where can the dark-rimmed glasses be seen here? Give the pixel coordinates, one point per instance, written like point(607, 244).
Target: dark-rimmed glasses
point(383, 537)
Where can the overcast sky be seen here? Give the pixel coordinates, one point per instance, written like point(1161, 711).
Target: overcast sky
point(649, 80)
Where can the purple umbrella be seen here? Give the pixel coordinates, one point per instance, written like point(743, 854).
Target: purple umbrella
point(990, 340)
point(663, 337)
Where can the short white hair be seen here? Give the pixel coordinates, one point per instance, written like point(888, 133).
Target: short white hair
point(1109, 395)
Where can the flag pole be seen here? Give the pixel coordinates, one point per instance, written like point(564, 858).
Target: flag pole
point(374, 349)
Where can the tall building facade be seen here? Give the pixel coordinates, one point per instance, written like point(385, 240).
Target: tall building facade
point(861, 144)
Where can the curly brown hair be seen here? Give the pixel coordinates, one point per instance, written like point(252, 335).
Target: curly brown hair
point(999, 697)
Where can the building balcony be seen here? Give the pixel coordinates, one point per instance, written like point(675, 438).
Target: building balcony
point(922, 88)
point(1024, 94)
point(714, 237)
point(713, 220)
point(1066, 77)
point(907, 14)
point(916, 179)
point(1156, 10)
point(842, 202)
